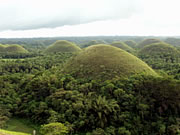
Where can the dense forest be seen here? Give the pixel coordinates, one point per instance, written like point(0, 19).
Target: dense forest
point(92, 85)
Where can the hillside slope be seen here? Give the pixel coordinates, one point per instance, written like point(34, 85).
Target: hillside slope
point(105, 61)
point(62, 46)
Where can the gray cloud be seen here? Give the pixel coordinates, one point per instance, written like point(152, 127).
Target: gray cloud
point(35, 14)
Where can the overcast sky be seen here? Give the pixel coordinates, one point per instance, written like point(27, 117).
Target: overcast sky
point(49, 18)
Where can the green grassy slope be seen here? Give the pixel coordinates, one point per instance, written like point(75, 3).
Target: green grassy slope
point(93, 42)
point(123, 46)
point(2, 48)
point(148, 42)
point(62, 46)
point(6, 132)
point(106, 62)
point(131, 43)
point(17, 125)
point(12, 49)
point(160, 52)
point(158, 48)
point(15, 48)
point(173, 41)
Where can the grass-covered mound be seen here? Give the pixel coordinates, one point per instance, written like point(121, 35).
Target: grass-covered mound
point(6, 132)
point(160, 52)
point(2, 48)
point(17, 126)
point(62, 46)
point(93, 42)
point(148, 42)
point(173, 41)
point(12, 49)
point(123, 46)
point(15, 49)
point(131, 43)
point(105, 62)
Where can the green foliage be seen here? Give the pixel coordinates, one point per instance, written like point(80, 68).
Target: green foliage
point(174, 129)
point(33, 65)
point(4, 115)
point(161, 56)
point(95, 98)
point(103, 108)
point(98, 131)
point(54, 129)
point(123, 131)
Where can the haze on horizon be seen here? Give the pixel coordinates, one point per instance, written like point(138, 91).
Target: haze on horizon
point(51, 18)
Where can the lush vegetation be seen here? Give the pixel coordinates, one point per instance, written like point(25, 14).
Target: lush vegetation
point(54, 129)
point(102, 90)
point(162, 56)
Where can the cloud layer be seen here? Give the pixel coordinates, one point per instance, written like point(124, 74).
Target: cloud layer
point(35, 14)
point(48, 18)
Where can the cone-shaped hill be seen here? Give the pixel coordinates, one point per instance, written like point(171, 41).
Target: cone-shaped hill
point(123, 46)
point(148, 42)
point(15, 49)
point(93, 42)
point(131, 43)
point(12, 49)
point(160, 52)
point(105, 62)
point(62, 46)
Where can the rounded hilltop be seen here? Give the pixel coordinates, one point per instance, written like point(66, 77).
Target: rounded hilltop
point(15, 49)
point(160, 51)
point(148, 42)
point(93, 42)
point(62, 46)
point(131, 43)
point(12, 49)
point(105, 62)
point(123, 46)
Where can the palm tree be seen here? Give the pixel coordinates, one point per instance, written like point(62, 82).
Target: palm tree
point(103, 108)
